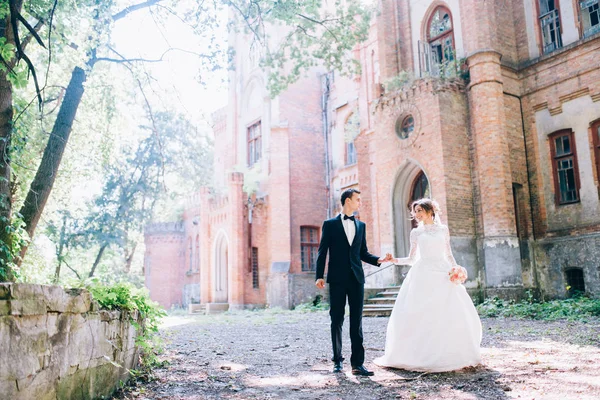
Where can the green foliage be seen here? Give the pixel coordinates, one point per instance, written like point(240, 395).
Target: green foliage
point(316, 305)
point(16, 237)
point(125, 297)
point(315, 33)
point(575, 308)
point(404, 78)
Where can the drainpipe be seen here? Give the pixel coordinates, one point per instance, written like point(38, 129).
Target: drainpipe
point(325, 84)
point(528, 186)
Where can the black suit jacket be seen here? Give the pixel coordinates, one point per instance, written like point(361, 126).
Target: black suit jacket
point(344, 259)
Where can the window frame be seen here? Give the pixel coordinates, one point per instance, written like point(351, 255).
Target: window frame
point(311, 246)
point(595, 127)
point(254, 143)
point(554, 160)
point(580, 22)
point(347, 159)
point(254, 268)
point(441, 36)
point(539, 27)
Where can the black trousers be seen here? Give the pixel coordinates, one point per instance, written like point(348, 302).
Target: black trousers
point(354, 292)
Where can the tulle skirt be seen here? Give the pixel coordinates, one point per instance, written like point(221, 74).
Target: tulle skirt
point(434, 325)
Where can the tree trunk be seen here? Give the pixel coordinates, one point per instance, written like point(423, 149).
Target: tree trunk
point(40, 188)
point(6, 116)
point(129, 258)
point(6, 119)
point(98, 258)
point(61, 246)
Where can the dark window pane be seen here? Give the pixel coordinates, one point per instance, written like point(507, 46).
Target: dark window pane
point(575, 281)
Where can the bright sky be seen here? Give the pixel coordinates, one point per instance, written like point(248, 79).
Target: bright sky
point(138, 35)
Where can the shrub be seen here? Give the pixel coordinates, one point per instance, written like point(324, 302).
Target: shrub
point(575, 308)
point(125, 297)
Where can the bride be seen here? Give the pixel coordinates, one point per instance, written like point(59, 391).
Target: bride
point(434, 326)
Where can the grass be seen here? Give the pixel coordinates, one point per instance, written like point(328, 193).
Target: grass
point(577, 308)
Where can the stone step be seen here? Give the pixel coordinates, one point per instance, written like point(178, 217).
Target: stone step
point(381, 300)
point(376, 311)
point(382, 304)
point(196, 308)
point(387, 294)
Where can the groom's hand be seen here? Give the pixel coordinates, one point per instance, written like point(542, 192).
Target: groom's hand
point(388, 257)
point(320, 283)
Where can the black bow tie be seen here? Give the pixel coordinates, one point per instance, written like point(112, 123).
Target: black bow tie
point(347, 217)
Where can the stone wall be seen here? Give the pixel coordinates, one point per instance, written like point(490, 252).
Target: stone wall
point(55, 343)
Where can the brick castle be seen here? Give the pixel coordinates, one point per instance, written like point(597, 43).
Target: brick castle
point(491, 108)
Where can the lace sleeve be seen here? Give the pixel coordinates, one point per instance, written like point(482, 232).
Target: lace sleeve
point(448, 249)
point(412, 255)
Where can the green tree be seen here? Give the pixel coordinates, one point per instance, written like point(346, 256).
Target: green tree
point(81, 32)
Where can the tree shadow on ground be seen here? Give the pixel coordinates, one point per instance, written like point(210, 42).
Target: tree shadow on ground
point(474, 382)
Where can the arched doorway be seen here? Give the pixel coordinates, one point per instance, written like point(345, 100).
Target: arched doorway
point(220, 266)
point(411, 184)
point(420, 189)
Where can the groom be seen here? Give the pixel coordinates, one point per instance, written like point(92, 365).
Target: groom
point(344, 238)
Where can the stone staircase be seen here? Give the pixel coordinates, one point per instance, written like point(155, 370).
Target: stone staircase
point(381, 305)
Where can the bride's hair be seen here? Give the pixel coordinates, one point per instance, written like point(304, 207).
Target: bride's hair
point(429, 206)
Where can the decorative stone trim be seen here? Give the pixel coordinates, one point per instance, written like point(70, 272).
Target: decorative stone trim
point(563, 99)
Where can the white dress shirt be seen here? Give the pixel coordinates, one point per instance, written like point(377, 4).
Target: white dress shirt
point(349, 228)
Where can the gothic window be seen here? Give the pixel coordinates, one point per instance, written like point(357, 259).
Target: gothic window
point(309, 244)
point(255, 267)
point(589, 13)
point(596, 143)
point(575, 281)
point(564, 167)
point(440, 36)
point(419, 190)
point(254, 143)
point(549, 25)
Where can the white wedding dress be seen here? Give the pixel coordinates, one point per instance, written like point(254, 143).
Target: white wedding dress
point(434, 325)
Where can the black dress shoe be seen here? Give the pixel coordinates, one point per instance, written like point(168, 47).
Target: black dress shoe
point(362, 371)
point(337, 367)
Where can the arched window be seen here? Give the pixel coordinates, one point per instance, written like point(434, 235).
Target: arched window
point(420, 189)
point(440, 36)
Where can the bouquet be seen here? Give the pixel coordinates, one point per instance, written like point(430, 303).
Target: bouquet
point(458, 274)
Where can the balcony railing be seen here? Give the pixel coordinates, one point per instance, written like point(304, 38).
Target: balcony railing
point(430, 65)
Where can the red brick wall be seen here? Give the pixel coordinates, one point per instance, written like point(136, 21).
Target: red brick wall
point(164, 268)
point(457, 163)
point(557, 78)
point(301, 107)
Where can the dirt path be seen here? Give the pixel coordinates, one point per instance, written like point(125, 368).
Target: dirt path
point(285, 355)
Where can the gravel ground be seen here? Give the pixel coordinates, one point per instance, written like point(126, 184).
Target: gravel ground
point(274, 354)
